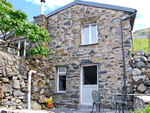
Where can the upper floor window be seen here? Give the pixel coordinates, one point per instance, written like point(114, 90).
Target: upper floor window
point(89, 34)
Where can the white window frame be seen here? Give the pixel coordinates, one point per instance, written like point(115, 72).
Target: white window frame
point(25, 44)
point(90, 42)
point(58, 73)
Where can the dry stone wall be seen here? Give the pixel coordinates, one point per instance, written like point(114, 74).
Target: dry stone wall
point(140, 63)
point(13, 75)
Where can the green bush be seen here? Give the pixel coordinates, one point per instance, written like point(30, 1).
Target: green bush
point(146, 110)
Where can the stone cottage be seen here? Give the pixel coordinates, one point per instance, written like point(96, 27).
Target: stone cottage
point(86, 50)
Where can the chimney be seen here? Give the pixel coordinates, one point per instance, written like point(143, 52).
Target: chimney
point(42, 3)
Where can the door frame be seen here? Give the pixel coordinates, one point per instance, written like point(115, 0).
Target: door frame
point(81, 80)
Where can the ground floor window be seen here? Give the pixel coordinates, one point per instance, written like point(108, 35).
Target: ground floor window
point(61, 79)
point(22, 45)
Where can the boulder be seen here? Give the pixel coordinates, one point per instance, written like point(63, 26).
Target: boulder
point(136, 71)
point(141, 88)
point(140, 64)
point(137, 79)
point(35, 105)
point(139, 52)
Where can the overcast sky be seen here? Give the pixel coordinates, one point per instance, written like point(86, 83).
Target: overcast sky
point(32, 8)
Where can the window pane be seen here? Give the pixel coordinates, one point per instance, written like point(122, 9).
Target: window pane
point(93, 34)
point(90, 75)
point(62, 70)
point(85, 37)
point(22, 48)
point(62, 83)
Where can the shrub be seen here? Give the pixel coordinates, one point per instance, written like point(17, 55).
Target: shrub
point(146, 110)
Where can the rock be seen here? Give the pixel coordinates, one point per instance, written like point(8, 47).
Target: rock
point(36, 96)
point(147, 83)
point(74, 96)
point(6, 88)
point(35, 89)
point(137, 58)
point(47, 93)
point(17, 93)
point(136, 71)
point(144, 59)
point(140, 52)
point(5, 80)
point(15, 84)
point(18, 101)
point(147, 91)
point(140, 65)
point(147, 54)
point(141, 88)
point(22, 83)
point(149, 58)
point(42, 91)
point(41, 99)
point(35, 105)
point(2, 62)
point(137, 79)
point(86, 61)
point(143, 70)
point(40, 75)
point(69, 48)
point(40, 84)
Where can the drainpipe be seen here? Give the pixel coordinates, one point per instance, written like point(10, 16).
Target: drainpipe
point(124, 68)
point(29, 87)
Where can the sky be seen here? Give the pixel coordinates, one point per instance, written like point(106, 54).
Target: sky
point(32, 8)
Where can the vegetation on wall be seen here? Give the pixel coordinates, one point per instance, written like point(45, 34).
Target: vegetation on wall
point(14, 25)
point(146, 110)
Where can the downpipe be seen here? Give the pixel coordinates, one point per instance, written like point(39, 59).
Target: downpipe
point(29, 87)
point(124, 68)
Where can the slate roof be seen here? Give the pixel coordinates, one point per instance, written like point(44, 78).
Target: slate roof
point(95, 4)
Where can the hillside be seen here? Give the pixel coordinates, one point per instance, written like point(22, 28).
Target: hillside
point(141, 32)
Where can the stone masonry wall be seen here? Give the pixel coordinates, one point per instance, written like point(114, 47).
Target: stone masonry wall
point(13, 75)
point(66, 50)
point(140, 64)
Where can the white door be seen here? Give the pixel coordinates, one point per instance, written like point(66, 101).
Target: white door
point(88, 83)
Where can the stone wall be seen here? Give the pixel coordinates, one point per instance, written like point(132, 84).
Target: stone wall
point(13, 75)
point(66, 50)
point(141, 72)
point(140, 63)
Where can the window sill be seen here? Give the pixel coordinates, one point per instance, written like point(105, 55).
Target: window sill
point(60, 93)
point(88, 44)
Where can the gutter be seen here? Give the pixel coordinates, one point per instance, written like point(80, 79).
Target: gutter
point(124, 68)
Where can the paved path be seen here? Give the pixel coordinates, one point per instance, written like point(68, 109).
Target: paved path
point(81, 110)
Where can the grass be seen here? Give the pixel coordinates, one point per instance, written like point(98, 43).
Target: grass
point(141, 44)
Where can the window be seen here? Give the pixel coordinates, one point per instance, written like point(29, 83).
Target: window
point(61, 80)
point(22, 45)
point(89, 75)
point(89, 34)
